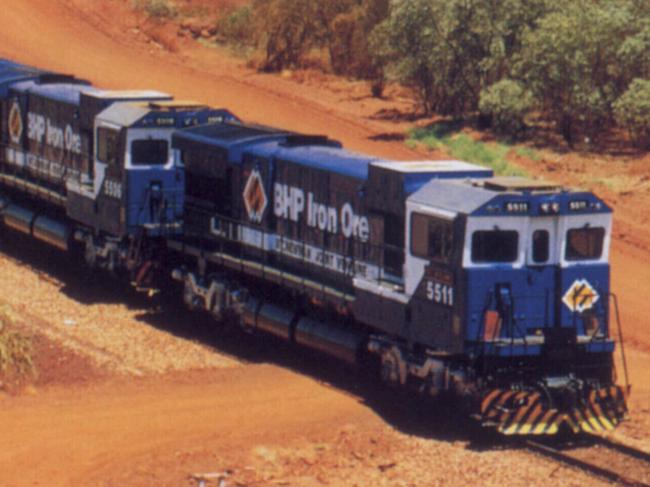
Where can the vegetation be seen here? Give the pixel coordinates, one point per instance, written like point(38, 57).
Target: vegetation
point(15, 350)
point(580, 67)
point(505, 104)
point(570, 61)
point(157, 8)
point(632, 111)
point(236, 27)
point(461, 146)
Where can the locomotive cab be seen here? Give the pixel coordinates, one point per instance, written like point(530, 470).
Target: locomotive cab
point(521, 268)
point(550, 251)
point(136, 173)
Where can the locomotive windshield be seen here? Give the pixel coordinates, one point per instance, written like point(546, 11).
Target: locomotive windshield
point(541, 250)
point(149, 152)
point(585, 243)
point(500, 246)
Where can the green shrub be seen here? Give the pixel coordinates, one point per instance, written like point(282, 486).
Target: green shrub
point(528, 153)
point(157, 8)
point(506, 103)
point(463, 147)
point(237, 27)
point(632, 111)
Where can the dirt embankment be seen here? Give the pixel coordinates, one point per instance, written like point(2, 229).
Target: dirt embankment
point(129, 396)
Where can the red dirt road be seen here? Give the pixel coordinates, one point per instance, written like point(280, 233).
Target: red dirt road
point(82, 38)
point(83, 434)
point(273, 426)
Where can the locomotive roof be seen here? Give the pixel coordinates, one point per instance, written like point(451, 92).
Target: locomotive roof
point(144, 114)
point(227, 135)
point(11, 72)
point(317, 152)
point(130, 94)
point(456, 196)
point(69, 92)
point(307, 150)
point(327, 156)
point(486, 197)
point(231, 137)
point(457, 168)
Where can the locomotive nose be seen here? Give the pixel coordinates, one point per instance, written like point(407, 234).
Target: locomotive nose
point(557, 403)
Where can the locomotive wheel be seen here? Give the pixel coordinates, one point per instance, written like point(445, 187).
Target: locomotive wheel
point(390, 370)
point(90, 253)
point(190, 299)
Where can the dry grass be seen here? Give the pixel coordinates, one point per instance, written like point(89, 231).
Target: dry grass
point(16, 351)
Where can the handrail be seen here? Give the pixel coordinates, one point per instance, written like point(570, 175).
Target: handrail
point(628, 386)
point(375, 252)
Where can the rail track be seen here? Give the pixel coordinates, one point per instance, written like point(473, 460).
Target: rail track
point(599, 457)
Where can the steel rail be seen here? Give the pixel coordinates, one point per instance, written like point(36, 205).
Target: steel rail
point(630, 451)
point(589, 468)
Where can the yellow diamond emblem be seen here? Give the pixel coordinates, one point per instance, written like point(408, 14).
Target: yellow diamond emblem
point(581, 296)
point(255, 198)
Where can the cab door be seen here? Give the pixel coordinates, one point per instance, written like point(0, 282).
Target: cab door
point(542, 272)
point(109, 179)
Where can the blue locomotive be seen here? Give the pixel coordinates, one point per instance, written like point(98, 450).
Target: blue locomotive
point(89, 166)
point(492, 290)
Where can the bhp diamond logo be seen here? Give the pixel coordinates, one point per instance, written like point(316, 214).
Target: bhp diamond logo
point(15, 123)
point(255, 198)
point(581, 296)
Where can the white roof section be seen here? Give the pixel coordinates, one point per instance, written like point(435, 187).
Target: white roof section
point(459, 196)
point(429, 166)
point(130, 94)
point(123, 114)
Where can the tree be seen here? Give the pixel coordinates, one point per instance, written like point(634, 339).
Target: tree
point(287, 29)
point(449, 50)
point(348, 41)
point(405, 43)
point(570, 61)
point(632, 111)
point(237, 26)
point(506, 103)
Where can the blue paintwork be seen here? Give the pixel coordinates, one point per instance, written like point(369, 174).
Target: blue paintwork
point(415, 181)
point(535, 296)
point(331, 159)
point(230, 139)
point(139, 196)
point(497, 205)
point(184, 118)
point(237, 141)
point(11, 73)
point(532, 293)
point(69, 93)
point(138, 180)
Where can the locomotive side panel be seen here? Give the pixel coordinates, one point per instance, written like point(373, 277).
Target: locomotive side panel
point(45, 136)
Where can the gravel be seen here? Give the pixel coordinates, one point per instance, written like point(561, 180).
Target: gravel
point(112, 334)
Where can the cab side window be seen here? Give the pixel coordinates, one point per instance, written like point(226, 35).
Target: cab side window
point(107, 143)
point(431, 238)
